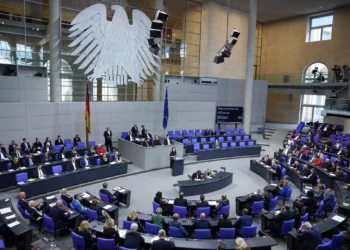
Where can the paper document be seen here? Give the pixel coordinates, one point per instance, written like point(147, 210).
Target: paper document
point(20, 183)
point(122, 190)
point(10, 217)
point(331, 174)
point(212, 203)
point(112, 163)
point(46, 163)
point(308, 187)
point(87, 167)
point(107, 207)
point(5, 210)
point(338, 218)
point(11, 170)
point(117, 188)
point(41, 178)
point(273, 184)
point(85, 196)
point(122, 233)
point(50, 197)
point(52, 204)
point(171, 202)
point(57, 174)
point(14, 224)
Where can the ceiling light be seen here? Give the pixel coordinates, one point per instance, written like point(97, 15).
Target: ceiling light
point(174, 34)
point(37, 29)
point(2, 22)
point(320, 7)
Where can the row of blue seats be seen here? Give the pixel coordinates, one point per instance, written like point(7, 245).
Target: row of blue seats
point(71, 145)
point(220, 139)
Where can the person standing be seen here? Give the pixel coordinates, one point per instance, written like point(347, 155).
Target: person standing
point(172, 158)
point(108, 140)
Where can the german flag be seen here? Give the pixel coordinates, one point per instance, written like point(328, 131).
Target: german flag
point(87, 110)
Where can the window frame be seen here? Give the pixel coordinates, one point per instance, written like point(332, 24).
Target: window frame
point(310, 28)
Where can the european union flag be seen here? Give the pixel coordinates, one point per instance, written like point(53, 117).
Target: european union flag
point(166, 110)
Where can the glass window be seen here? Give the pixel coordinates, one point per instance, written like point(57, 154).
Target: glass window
point(327, 33)
point(320, 28)
point(317, 114)
point(321, 21)
point(314, 99)
point(316, 72)
point(306, 114)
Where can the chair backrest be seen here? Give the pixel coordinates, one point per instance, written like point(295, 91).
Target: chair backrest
point(229, 138)
point(250, 143)
point(69, 146)
point(190, 131)
point(152, 228)
point(175, 232)
point(21, 177)
point(222, 210)
point(182, 211)
point(326, 246)
point(238, 138)
point(235, 131)
point(257, 207)
point(57, 169)
point(333, 159)
point(98, 161)
point(337, 241)
point(196, 147)
point(205, 146)
point(92, 143)
point(155, 206)
point(78, 242)
point(249, 232)
point(320, 209)
point(127, 224)
point(283, 172)
point(233, 144)
point(241, 143)
point(205, 210)
point(49, 224)
point(203, 139)
point(246, 137)
point(211, 139)
point(197, 130)
point(177, 132)
point(303, 218)
point(242, 132)
point(287, 226)
point(81, 145)
point(202, 233)
point(184, 132)
point(67, 141)
point(273, 203)
point(104, 197)
point(124, 248)
point(194, 140)
point(170, 133)
point(105, 244)
point(9, 166)
point(92, 215)
point(21, 211)
point(57, 147)
point(198, 133)
point(72, 207)
point(283, 159)
point(227, 233)
point(185, 141)
point(224, 145)
point(221, 138)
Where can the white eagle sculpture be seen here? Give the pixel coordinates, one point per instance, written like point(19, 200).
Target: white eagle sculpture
point(113, 49)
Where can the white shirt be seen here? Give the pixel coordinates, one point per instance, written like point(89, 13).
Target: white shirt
point(131, 138)
point(2, 155)
point(168, 141)
point(108, 133)
point(74, 165)
point(118, 160)
point(148, 136)
point(30, 161)
point(40, 172)
point(26, 145)
point(63, 157)
point(285, 151)
point(18, 153)
point(86, 162)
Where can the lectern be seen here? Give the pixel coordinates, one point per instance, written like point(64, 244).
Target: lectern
point(178, 168)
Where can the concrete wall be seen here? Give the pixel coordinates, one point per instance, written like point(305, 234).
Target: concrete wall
point(283, 108)
point(21, 120)
point(23, 89)
point(213, 37)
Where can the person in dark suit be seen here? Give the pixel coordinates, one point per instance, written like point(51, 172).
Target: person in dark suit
point(327, 165)
point(2, 149)
point(104, 159)
point(253, 198)
point(36, 216)
point(213, 132)
point(243, 221)
point(339, 161)
point(133, 239)
point(328, 200)
point(72, 165)
point(202, 223)
point(62, 155)
point(47, 140)
point(76, 139)
point(17, 152)
point(29, 160)
point(304, 156)
point(224, 222)
point(197, 175)
point(268, 196)
point(305, 172)
point(339, 174)
point(108, 140)
point(12, 147)
point(59, 141)
point(91, 151)
point(279, 218)
point(308, 237)
point(39, 172)
point(167, 140)
point(15, 165)
point(58, 215)
point(310, 203)
point(112, 197)
point(207, 132)
point(180, 201)
point(85, 162)
point(130, 137)
point(46, 157)
point(223, 202)
point(83, 230)
point(202, 202)
point(143, 131)
point(73, 153)
point(47, 147)
point(175, 223)
point(222, 132)
point(25, 146)
point(172, 158)
point(135, 130)
point(110, 231)
point(37, 145)
point(64, 196)
point(266, 160)
point(147, 135)
point(156, 141)
point(312, 178)
point(162, 244)
point(22, 202)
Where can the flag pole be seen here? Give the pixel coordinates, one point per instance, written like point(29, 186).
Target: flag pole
point(87, 118)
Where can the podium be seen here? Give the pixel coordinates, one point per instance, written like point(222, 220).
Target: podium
point(178, 168)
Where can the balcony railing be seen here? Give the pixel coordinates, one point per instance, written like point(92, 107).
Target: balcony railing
point(296, 78)
point(337, 104)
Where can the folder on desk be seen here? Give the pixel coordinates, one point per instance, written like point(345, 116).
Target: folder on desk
point(107, 207)
point(14, 224)
point(5, 210)
point(212, 203)
point(31, 180)
point(171, 202)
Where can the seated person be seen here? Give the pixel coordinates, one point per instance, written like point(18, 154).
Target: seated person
point(147, 143)
point(100, 150)
point(181, 202)
point(47, 147)
point(339, 174)
point(222, 203)
point(253, 198)
point(222, 132)
point(224, 222)
point(85, 162)
point(339, 161)
point(133, 217)
point(102, 215)
point(36, 216)
point(83, 230)
point(290, 160)
point(202, 202)
point(175, 223)
point(46, 157)
point(333, 168)
point(297, 166)
point(319, 191)
point(15, 164)
point(158, 219)
point(213, 132)
point(202, 223)
point(28, 161)
point(76, 139)
point(162, 243)
point(346, 239)
point(327, 165)
point(243, 221)
point(77, 205)
point(285, 188)
point(104, 159)
point(59, 141)
point(67, 198)
point(61, 155)
point(156, 141)
point(39, 172)
point(266, 160)
point(310, 203)
point(133, 238)
point(317, 161)
point(110, 231)
point(167, 140)
point(129, 137)
point(308, 237)
point(72, 165)
point(74, 153)
point(162, 202)
point(117, 157)
point(328, 200)
point(91, 151)
point(306, 171)
point(37, 145)
point(206, 132)
point(297, 213)
point(59, 214)
point(113, 198)
point(312, 178)
point(197, 175)
point(276, 224)
point(268, 196)
point(285, 178)
point(25, 146)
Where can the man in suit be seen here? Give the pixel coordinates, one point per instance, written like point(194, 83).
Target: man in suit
point(76, 140)
point(208, 173)
point(25, 146)
point(202, 223)
point(22, 202)
point(97, 209)
point(327, 164)
point(37, 145)
point(243, 221)
point(202, 202)
point(148, 135)
point(267, 198)
point(108, 140)
point(224, 222)
point(223, 203)
point(213, 132)
point(12, 147)
point(162, 243)
point(143, 131)
point(77, 205)
point(47, 148)
point(207, 132)
point(167, 140)
point(339, 161)
point(266, 160)
point(181, 202)
point(58, 141)
point(305, 172)
point(304, 156)
point(309, 237)
point(312, 178)
point(2, 149)
point(112, 197)
point(3, 154)
point(36, 216)
point(197, 175)
point(290, 159)
point(29, 161)
point(130, 137)
point(253, 198)
point(287, 150)
point(328, 200)
point(174, 223)
point(276, 224)
point(72, 165)
point(16, 152)
point(85, 162)
point(59, 215)
point(135, 130)
point(73, 153)
point(91, 151)
point(39, 172)
point(133, 239)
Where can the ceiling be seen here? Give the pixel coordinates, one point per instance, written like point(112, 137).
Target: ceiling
point(271, 10)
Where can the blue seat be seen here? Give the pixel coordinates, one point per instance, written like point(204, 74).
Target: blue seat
point(233, 144)
point(283, 159)
point(238, 138)
point(227, 233)
point(287, 226)
point(205, 210)
point(190, 131)
point(229, 138)
point(241, 143)
point(50, 225)
point(69, 146)
point(221, 138)
point(175, 232)
point(78, 242)
point(194, 140)
point(203, 139)
point(287, 196)
point(93, 143)
point(9, 166)
point(326, 246)
point(198, 133)
point(184, 132)
point(31, 222)
point(171, 133)
point(98, 161)
point(57, 169)
point(124, 134)
point(127, 224)
point(257, 207)
point(223, 210)
point(250, 143)
point(246, 137)
point(92, 215)
point(57, 147)
point(205, 146)
point(177, 133)
point(21, 177)
point(283, 172)
point(303, 218)
point(68, 141)
point(319, 210)
point(22, 211)
point(81, 145)
point(224, 145)
point(105, 244)
point(155, 207)
point(249, 232)
point(202, 234)
point(212, 139)
point(104, 197)
point(273, 203)
point(185, 141)
point(196, 147)
point(336, 241)
point(182, 211)
point(333, 159)
point(151, 228)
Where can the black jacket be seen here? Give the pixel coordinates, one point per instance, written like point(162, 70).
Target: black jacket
point(180, 202)
point(36, 172)
point(58, 216)
point(310, 238)
point(222, 223)
point(201, 224)
point(203, 204)
point(311, 205)
point(87, 237)
point(162, 244)
point(67, 198)
point(58, 142)
point(110, 233)
point(133, 240)
point(267, 199)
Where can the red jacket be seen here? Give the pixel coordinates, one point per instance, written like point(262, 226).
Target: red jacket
point(317, 162)
point(100, 150)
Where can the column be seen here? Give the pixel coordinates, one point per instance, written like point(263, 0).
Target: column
point(248, 93)
point(157, 76)
point(54, 45)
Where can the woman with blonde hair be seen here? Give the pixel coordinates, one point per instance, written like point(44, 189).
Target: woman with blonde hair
point(83, 231)
point(65, 197)
point(241, 245)
point(133, 217)
point(110, 231)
